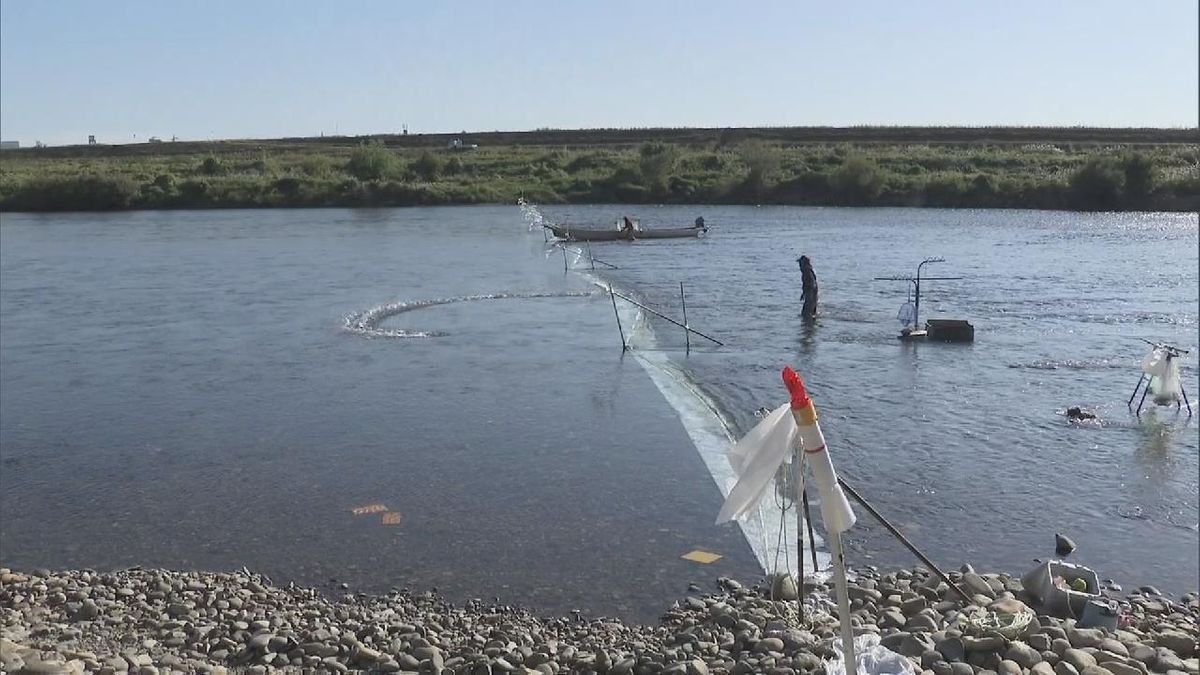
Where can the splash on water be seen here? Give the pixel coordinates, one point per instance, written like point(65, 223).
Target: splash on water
point(534, 217)
point(1074, 364)
point(366, 323)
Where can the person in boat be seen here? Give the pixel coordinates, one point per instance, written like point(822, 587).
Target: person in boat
point(628, 228)
point(699, 225)
point(808, 288)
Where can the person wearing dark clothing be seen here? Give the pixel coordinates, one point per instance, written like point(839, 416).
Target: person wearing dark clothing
point(808, 293)
point(628, 227)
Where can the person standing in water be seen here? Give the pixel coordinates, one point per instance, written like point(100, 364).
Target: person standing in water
point(808, 288)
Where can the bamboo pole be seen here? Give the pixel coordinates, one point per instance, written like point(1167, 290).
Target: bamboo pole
point(687, 336)
point(612, 296)
point(665, 317)
point(903, 540)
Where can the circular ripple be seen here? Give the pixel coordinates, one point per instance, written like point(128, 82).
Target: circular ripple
point(367, 322)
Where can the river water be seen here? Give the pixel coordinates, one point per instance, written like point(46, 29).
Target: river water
point(219, 388)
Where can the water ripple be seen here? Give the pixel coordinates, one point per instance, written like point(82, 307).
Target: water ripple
point(367, 322)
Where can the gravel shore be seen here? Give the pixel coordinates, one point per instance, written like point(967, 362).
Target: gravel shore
point(158, 621)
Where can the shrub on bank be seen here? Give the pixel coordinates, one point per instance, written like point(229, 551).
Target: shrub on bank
point(85, 192)
point(372, 161)
point(1139, 178)
point(1097, 186)
point(427, 167)
point(857, 182)
point(762, 162)
point(211, 166)
point(750, 171)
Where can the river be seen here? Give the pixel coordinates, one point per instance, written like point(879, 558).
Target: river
point(217, 388)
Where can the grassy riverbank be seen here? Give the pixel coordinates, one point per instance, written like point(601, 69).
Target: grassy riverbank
point(1073, 168)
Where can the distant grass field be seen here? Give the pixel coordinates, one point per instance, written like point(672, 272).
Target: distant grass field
point(1050, 168)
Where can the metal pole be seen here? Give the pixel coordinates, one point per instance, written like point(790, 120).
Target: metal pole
point(839, 580)
point(797, 458)
point(1129, 404)
point(611, 295)
point(917, 302)
point(903, 540)
point(564, 250)
point(812, 538)
point(1142, 400)
point(1185, 400)
point(667, 318)
point(687, 336)
point(589, 247)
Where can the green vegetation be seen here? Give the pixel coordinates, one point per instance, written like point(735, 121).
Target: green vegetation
point(983, 168)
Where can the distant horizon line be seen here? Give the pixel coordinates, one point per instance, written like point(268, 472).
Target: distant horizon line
point(404, 132)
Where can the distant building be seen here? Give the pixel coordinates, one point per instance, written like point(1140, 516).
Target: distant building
point(457, 144)
point(91, 139)
point(10, 145)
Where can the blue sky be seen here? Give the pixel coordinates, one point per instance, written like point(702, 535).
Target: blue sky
point(226, 69)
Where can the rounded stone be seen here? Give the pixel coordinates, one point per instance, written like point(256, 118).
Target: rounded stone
point(1079, 659)
point(1009, 667)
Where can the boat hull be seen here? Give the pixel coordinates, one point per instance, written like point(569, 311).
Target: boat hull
point(590, 234)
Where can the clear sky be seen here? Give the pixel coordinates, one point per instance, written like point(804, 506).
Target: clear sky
point(269, 68)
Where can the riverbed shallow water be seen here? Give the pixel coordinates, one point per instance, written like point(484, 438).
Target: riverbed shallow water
point(223, 388)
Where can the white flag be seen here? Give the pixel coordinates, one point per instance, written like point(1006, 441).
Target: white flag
point(755, 459)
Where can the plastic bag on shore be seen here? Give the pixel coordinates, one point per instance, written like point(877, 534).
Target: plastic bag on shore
point(871, 658)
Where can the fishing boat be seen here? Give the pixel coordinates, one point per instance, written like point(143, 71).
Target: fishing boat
point(574, 233)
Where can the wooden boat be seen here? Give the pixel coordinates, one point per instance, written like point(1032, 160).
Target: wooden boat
point(573, 233)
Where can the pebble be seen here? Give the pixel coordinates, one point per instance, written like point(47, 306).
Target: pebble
point(1064, 668)
point(1085, 637)
point(987, 643)
point(1039, 641)
point(921, 623)
point(977, 585)
point(1168, 660)
point(769, 645)
point(216, 623)
point(1079, 659)
point(1113, 647)
point(783, 587)
point(1183, 645)
point(1022, 654)
point(1008, 667)
point(959, 668)
point(952, 649)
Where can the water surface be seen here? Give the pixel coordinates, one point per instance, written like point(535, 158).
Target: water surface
point(181, 389)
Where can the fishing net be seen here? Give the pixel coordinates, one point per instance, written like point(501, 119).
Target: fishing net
point(1163, 368)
